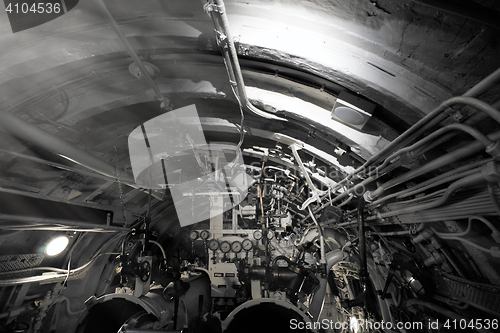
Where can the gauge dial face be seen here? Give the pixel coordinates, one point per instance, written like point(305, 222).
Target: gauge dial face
point(193, 234)
point(257, 234)
point(213, 244)
point(225, 247)
point(205, 234)
point(236, 247)
point(247, 244)
point(270, 234)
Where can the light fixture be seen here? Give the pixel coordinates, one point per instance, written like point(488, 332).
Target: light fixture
point(352, 110)
point(56, 246)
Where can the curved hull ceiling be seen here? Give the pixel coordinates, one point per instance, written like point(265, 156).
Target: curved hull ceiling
point(70, 96)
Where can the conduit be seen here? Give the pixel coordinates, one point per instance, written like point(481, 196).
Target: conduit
point(217, 11)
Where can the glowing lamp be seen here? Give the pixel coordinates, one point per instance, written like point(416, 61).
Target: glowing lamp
point(56, 246)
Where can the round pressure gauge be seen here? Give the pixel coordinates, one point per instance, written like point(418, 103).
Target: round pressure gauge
point(213, 244)
point(247, 244)
point(236, 247)
point(193, 234)
point(225, 247)
point(205, 234)
point(270, 234)
point(257, 234)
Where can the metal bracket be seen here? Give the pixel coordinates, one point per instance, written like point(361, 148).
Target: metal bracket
point(212, 7)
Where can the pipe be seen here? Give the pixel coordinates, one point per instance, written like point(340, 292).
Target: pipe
point(363, 267)
point(464, 170)
point(461, 127)
point(464, 182)
point(444, 311)
point(21, 222)
point(322, 257)
point(30, 133)
point(444, 160)
point(161, 248)
point(231, 57)
point(434, 118)
point(104, 10)
point(71, 169)
point(293, 147)
point(318, 299)
point(389, 233)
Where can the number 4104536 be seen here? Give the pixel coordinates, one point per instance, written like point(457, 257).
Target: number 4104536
point(39, 8)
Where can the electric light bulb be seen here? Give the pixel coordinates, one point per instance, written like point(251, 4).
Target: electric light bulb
point(57, 245)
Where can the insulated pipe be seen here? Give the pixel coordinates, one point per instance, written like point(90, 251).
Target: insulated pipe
point(104, 10)
point(485, 84)
point(318, 299)
point(30, 133)
point(232, 58)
